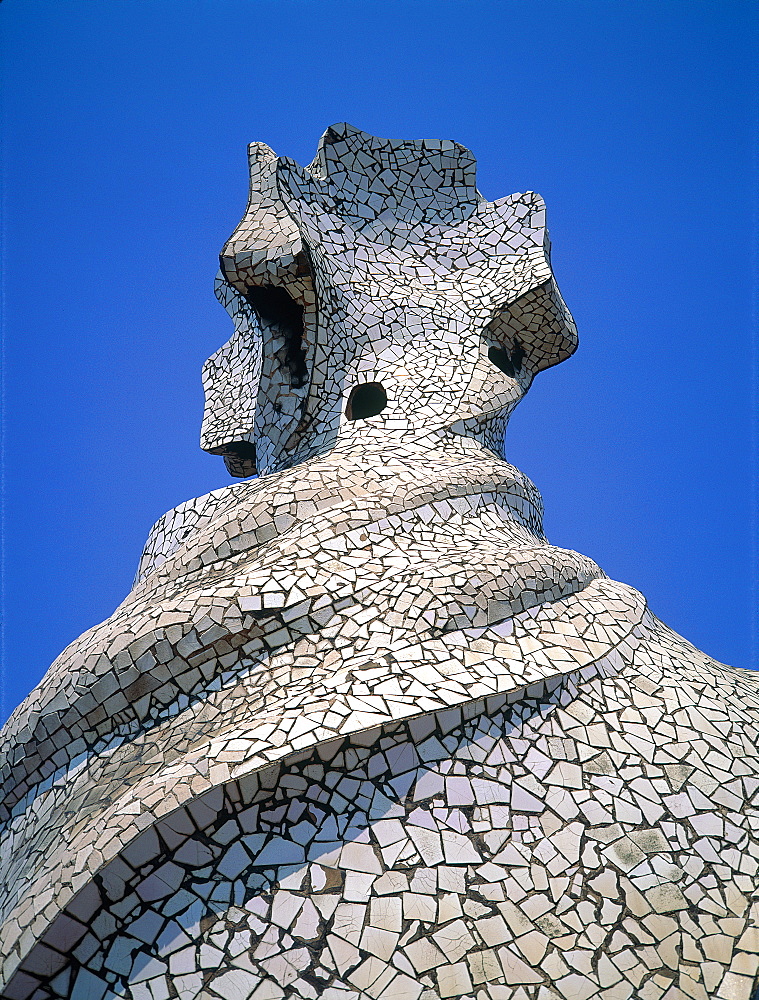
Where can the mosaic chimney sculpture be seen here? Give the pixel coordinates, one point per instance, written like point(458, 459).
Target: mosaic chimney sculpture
point(359, 730)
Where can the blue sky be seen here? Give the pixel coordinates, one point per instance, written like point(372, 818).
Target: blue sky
point(125, 131)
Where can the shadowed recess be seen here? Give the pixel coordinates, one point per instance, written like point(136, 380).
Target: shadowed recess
point(275, 307)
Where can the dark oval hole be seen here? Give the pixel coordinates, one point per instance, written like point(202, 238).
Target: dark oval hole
point(366, 400)
point(500, 358)
point(508, 361)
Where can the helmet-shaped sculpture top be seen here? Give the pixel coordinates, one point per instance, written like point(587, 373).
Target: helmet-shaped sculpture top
point(377, 292)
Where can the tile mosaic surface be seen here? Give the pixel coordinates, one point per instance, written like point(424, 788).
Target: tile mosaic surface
point(359, 730)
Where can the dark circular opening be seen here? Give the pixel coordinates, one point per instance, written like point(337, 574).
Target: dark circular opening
point(365, 401)
point(508, 361)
